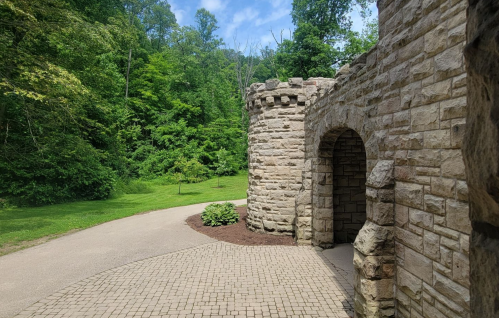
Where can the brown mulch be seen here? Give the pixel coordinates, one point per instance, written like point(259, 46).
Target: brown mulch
point(238, 233)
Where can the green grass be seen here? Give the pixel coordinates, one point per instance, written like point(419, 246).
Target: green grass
point(19, 225)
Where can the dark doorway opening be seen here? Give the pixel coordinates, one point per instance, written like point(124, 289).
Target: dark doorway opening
point(349, 187)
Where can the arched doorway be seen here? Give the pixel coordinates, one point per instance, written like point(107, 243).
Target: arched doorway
point(340, 194)
point(348, 206)
point(349, 186)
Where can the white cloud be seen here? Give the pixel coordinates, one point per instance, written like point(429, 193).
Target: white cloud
point(179, 13)
point(267, 39)
point(245, 15)
point(213, 5)
point(279, 3)
point(273, 17)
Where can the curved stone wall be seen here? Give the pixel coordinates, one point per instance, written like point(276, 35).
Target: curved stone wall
point(276, 141)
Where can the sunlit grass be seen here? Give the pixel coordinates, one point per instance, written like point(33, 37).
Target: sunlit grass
point(19, 225)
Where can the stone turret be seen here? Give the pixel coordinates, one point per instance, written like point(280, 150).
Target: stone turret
point(276, 150)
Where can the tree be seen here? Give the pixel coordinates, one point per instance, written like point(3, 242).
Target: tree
point(187, 170)
point(322, 29)
point(206, 26)
point(68, 130)
point(363, 42)
point(223, 164)
point(159, 21)
point(56, 129)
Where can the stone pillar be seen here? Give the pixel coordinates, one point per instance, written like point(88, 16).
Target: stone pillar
point(481, 154)
point(276, 155)
point(374, 249)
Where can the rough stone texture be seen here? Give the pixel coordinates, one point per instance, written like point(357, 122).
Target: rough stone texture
point(481, 154)
point(276, 153)
point(407, 100)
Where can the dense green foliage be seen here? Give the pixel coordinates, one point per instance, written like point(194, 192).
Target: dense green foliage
point(217, 214)
point(95, 93)
point(323, 38)
point(75, 121)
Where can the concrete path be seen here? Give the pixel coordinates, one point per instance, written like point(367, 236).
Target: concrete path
point(341, 256)
point(154, 265)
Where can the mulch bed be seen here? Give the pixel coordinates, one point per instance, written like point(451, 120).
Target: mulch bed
point(238, 233)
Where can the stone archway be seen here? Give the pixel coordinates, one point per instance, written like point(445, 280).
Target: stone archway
point(341, 157)
point(349, 186)
point(340, 188)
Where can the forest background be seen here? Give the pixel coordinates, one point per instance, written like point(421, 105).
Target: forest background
point(95, 93)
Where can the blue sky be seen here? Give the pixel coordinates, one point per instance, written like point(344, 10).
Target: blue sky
point(247, 20)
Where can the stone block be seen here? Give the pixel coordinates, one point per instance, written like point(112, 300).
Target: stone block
point(419, 265)
point(401, 215)
point(453, 164)
point(375, 240)
point(461, 269)
point(409, 194)
point(451, 290)
point(383, 213)
point(425, 117)
point(422, 70)
point(431, 245)
point(450, 243)
point(398, 75)
point(457, 134)
point(382, 175)
point(410, 284)
point(409, 239)
point(269, 101)
point(434, 204)
point(443, 187)
point(271, 84)
point(437, 91)
point(296, 81)
point(285, 100)
point(431, 312)
point(401, 118)
point(424, 157)
point(457, 216)
point(457, 35)
point(374, 267)
point(453, 108)
point(377, 290)
point(421, 218)
point(437, 139)
point(449, 63)
point(435, 40)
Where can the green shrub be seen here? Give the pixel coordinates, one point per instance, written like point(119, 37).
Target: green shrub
point(217, 214)
point(68, 169)
point(123, 187)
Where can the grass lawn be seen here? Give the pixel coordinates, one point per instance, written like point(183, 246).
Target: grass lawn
point(23, 227)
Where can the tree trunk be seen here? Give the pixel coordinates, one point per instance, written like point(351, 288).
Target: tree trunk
point(128, 73)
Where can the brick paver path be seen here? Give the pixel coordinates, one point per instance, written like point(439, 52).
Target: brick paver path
point(213, 280)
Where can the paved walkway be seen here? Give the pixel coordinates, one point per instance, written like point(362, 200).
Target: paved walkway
point(181, 273)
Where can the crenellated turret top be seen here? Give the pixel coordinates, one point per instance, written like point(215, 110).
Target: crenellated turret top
point(294, 92)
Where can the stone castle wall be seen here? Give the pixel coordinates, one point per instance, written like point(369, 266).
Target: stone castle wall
point(406, 99)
